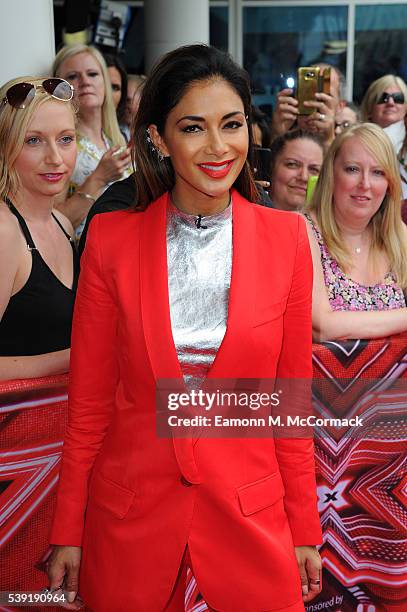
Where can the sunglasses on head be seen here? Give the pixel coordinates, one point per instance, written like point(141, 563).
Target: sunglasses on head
point(21, 94)
point(398, 98)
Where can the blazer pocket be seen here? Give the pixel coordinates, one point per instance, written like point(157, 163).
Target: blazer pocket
point(111, 496)
point(270, 312)
point(260, 494)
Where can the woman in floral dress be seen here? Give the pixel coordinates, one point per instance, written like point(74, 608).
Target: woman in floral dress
point(358, 240)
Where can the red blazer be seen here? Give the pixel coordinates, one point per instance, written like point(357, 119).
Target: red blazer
point(248, 500)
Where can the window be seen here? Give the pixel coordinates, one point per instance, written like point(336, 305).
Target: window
point(380, 44)
point(218, 26)
point(277, 40)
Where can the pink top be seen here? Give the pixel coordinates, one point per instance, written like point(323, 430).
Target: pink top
point(346, 294)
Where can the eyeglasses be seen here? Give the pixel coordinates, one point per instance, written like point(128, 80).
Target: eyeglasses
point(398, 98)
point(21, 94)
point(343, 124)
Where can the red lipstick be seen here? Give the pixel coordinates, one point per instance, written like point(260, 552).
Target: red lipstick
point(216, 170)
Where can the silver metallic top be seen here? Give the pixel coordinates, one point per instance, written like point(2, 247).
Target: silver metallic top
point(199, 271)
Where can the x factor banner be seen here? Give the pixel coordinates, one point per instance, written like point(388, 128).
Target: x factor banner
point(362, 479)
point(33, 416)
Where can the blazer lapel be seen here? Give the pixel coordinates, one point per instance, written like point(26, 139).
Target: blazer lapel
point(155, 306)
point(155, 311)
point(230, 361)
point(230, 356)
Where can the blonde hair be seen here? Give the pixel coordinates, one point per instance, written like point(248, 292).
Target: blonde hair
point(110, 124)
point(376, 89)
point(387, 227)
point(13, 127)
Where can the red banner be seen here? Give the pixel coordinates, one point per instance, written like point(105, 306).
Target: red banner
point(362, 481)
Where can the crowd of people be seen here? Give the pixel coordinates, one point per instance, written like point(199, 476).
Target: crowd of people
point(204, 272)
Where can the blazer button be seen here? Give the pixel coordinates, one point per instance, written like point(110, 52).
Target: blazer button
point(185, 482)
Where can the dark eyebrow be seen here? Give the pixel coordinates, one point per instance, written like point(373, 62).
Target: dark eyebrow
point(201, 119)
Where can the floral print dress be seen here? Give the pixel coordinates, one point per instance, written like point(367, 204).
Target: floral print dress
point(346, 294)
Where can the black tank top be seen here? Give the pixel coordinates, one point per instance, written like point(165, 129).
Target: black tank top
point(38, 318)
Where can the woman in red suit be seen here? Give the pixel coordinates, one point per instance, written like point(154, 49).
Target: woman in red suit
point(195, 283)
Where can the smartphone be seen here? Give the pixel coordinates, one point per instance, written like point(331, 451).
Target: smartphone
point(262, 163)
point(311, 80)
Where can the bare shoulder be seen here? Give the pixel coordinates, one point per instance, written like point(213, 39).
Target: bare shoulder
point(311, 225)
point(64, 221)
point(9, 226)
point(12, 250)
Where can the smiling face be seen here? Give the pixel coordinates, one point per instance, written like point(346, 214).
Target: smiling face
point(206, 136)
point(299, 159)
point(47, 158)
point(389, 112)
point(84, 73)
point(360, 184)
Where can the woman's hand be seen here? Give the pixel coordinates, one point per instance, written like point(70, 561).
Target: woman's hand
point(112, 165)
point(285, 113)
point(310, 566)
point(63, 573)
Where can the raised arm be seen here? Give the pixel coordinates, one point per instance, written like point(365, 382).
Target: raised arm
point(328, 324)
point(110, 168)
point(285, 113)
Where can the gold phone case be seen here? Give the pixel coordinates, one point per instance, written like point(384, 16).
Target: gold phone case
point(311, 80)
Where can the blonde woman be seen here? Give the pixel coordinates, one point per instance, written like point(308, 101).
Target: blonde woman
point(102, 154)
point(38, 264)
point(385, 101)
point(358, 241)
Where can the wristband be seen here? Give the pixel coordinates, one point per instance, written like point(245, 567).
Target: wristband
point(86, 196)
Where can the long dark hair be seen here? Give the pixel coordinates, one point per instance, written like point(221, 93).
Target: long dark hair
point(116, 62)
point(164, 88)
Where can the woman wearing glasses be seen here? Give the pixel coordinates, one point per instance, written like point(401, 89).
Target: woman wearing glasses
point(38, 266)
point(385, 101)
point(102, 154)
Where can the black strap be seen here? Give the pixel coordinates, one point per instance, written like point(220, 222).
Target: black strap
point(23, 224)
point(62, 228)
point(24, 227)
